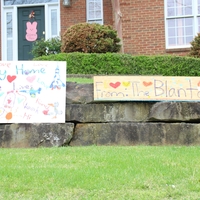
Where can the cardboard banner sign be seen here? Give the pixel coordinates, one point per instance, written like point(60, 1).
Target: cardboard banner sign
point(146, 88)
point(32, 92)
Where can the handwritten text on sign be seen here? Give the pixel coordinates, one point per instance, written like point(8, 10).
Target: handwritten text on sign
point(32, 92)
point(146, 88)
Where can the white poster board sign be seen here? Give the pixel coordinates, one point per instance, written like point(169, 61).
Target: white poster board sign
point(32, 91)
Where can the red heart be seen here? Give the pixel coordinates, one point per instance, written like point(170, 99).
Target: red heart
point(147, 83)
point(11, 78)
point(115, 85)
point(45, 112)
point(9, 101)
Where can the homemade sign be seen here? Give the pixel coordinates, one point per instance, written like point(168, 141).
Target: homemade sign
point(32, 92)
point(146, 88)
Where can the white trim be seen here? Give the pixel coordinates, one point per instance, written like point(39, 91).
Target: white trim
point(15, 36)
point(48, 20)
point(4, 33)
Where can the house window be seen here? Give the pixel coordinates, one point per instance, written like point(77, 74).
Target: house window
point(54, 24)
point(95, 11)
point(9, 31)
point(182, 22)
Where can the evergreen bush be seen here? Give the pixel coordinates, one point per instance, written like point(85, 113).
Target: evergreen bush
point(90, 38)
point(195, 48)
point(46, 47)
point(125, 64)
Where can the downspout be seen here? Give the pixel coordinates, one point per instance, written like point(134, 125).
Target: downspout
point(118, 21)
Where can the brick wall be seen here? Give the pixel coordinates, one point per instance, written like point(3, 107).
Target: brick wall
point(72, 15)
point(143, 27)
point(77, 13)
point(108, 13)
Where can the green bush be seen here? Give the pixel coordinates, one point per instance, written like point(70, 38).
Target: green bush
point(195, 48)
point(90, 38)
point(125, 64)
point(46, 47)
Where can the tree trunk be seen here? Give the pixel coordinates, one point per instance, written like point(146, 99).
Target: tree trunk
point(118, 21)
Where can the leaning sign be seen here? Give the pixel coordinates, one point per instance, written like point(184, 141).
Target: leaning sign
point(146, 88)
point(32, 92)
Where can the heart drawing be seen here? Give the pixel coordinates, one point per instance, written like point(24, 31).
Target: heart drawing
point(126, 84)
point(115, 85)
point(30, 79)
point(146, 84)
point(11, 78)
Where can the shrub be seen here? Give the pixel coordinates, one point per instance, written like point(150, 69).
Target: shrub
point(46, 47)
point(125, 64)
point(195, 48)
point(90, 38)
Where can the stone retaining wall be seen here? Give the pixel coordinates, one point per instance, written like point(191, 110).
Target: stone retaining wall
point(109, 123)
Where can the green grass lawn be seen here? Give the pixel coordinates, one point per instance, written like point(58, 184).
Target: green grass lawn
point(80, 80)
point(110, 173)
